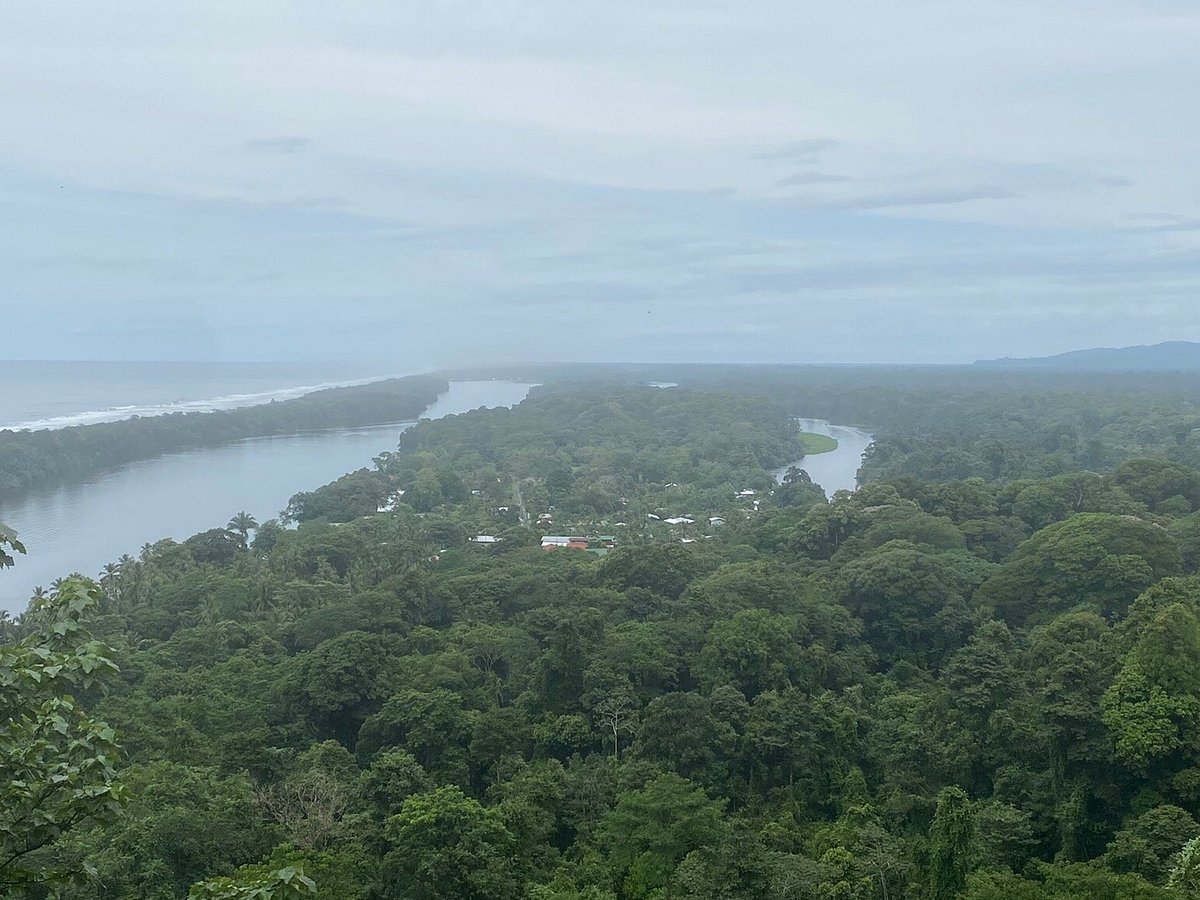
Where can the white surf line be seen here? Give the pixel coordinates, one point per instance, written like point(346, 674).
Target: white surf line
point(210, 404)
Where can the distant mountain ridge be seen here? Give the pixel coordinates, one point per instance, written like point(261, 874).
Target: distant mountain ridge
point(1169, 356)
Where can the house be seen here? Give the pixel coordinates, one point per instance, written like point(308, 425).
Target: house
point(746, 493)
point(715, 520)
point(485, 539)
point(679, 520)
point(389, 505)
point(600, 544)
point(652, 516)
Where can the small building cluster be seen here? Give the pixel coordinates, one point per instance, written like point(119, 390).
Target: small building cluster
point(597, 544)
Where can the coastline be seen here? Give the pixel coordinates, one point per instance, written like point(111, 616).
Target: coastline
point(43, 458)
point(113, 414)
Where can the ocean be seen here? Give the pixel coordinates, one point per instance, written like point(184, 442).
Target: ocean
point(38, 395)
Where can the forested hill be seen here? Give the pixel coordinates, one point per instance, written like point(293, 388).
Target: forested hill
point(1171, 356)
point(930, 689)
point(36, 458)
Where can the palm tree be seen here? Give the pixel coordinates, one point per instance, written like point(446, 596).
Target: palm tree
point(242, 524)
point(132, 574)
point(210, 612)
point(264, 600)
point(109, 576)
point(6, 625)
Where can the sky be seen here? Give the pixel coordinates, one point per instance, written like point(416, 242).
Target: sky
point(531, 180)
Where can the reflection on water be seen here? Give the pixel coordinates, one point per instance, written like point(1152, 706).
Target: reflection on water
point(836, 470)
point(80, 527)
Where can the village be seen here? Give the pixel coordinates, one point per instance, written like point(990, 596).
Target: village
point(660, 524)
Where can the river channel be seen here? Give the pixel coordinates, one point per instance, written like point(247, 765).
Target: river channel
point(81, 526)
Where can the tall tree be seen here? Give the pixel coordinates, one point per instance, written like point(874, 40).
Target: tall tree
point(242, 524)
point(446, 846)
point(950, 841)
point(650, 831)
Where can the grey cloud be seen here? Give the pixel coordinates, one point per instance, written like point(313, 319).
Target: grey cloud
point(1069, 180)
point(314, 202)
point(1161, 222)
point(1007, 183)
point(799, 151)
point(1088, 272)
point(1049, 177)
point(541, 175)
point(810, 177)
point(293, 144)
point(602, 293)
point(915, 197)
point(330, 203)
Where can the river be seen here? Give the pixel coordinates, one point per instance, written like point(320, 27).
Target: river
point(836, 470)
point(82, 526)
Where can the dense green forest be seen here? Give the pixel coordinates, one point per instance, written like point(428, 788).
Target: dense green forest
point(36, 458)
point(976, 677)
point(615, 453)
point(944, 423)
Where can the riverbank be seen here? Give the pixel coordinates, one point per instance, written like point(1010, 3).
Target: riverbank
point(82, 524)
point(40, 459)
point(834, 469)
point(816, 444)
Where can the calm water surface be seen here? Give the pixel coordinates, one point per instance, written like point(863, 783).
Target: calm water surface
point(80, 527)
point(836, 470)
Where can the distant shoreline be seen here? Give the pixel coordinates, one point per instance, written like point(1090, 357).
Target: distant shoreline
point(32, 459)
point(225, 402)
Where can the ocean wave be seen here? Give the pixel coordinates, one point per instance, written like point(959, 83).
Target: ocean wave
point(210, 404)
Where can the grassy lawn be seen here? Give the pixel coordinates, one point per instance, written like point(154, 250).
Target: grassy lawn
point(817, 443)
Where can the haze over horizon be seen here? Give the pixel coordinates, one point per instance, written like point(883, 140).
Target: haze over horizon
point(861, 182)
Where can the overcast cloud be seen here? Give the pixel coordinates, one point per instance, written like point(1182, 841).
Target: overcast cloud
point(761, 180)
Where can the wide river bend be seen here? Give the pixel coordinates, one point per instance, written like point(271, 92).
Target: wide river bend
point(80, 526)
point(836, 470)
